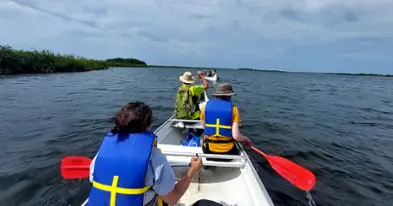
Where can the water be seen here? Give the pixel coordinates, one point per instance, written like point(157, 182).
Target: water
point(339, 127)
point(311, 201)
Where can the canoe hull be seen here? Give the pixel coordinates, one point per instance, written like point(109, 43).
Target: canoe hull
point(235, 182)
point(230, 183)
point(213, 78)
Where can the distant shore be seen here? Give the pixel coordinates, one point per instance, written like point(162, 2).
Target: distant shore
point(14, 61)
point(261, 70)
point(362, 74)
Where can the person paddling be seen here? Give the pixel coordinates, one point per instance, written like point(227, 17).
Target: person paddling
point(221, 121)
point(129, 169)
point(187, 97)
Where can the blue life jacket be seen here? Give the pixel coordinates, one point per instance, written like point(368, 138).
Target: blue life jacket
point(120, 170)
point(218, 118)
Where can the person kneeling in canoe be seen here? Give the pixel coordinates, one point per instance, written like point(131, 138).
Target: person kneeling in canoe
point(221, 121)
point(129, 170)
point(187, 97)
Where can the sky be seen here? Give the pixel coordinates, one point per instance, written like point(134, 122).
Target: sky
point(354, 36)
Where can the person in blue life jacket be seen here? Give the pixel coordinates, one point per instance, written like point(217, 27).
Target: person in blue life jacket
point(129, 170)
point(221, 121)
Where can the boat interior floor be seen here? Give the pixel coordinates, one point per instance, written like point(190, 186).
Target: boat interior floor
point(227, 183)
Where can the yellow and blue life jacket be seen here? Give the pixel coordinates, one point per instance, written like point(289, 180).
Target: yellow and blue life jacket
point(218, 118)
point(120, 170)
point(218, 126)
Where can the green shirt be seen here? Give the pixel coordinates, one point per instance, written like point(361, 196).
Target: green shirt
point(196, 90)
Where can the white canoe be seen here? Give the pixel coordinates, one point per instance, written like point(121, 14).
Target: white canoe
point(213, 78)
point(228, 183)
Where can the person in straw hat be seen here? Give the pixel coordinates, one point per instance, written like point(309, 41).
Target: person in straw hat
point(188, 95)
point(221, 121)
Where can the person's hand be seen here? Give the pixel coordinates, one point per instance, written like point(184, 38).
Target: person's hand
point(247, 142)
point(195, 165)
point(199, 74)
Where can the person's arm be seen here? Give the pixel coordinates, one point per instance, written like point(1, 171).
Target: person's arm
point(164, 178)
point(202, 117)
point(236, 129)
point(181, 186)
point(236, 133)
point(205, 84)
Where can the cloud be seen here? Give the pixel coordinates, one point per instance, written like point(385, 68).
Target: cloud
point(305, 35)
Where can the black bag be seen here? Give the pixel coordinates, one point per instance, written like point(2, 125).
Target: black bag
point(205, 202)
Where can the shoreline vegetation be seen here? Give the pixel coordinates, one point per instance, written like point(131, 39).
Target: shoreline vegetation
point(13, 61)
point(262, 70)
point(362, 74)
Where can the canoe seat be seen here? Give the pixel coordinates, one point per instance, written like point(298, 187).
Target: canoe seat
point(196, 125)
point(177, 153)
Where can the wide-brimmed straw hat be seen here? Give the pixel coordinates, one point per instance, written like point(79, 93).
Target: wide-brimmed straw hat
point(187, 78)
point(224, 89)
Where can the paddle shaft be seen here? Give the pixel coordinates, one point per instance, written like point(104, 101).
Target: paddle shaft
point(259, 152)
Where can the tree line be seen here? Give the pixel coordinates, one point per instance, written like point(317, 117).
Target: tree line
point(14, 61)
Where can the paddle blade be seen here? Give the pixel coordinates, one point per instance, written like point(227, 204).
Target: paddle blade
point(75, 167)
point(294, 173)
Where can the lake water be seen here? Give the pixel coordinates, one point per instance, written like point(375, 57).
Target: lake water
point(339, 127)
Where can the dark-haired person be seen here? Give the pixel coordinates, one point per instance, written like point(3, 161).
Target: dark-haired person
point(221, 121)
point(128, 168)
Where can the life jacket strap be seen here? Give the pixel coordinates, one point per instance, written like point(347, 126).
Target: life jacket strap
point(217, 126)
point(120, 190)
point(114, 190)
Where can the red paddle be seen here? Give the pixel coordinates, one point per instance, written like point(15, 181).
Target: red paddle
point(75, 167)
point(294, 173)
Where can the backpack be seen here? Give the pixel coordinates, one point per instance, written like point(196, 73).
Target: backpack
point(185, 107)
point(191, 140)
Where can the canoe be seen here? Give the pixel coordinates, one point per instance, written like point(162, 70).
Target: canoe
point(213, 78)
point(229, 183)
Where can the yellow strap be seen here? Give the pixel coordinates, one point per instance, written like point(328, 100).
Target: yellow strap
point(218, 126)
point(120, 190)
point(113, 190)
point(159, 201)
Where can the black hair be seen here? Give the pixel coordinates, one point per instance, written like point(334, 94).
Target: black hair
point(134, 117)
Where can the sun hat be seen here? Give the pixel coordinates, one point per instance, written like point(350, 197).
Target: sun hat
point(187, 78)
point(224, 89)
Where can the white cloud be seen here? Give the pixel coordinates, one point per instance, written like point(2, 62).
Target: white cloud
point(226, 33)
